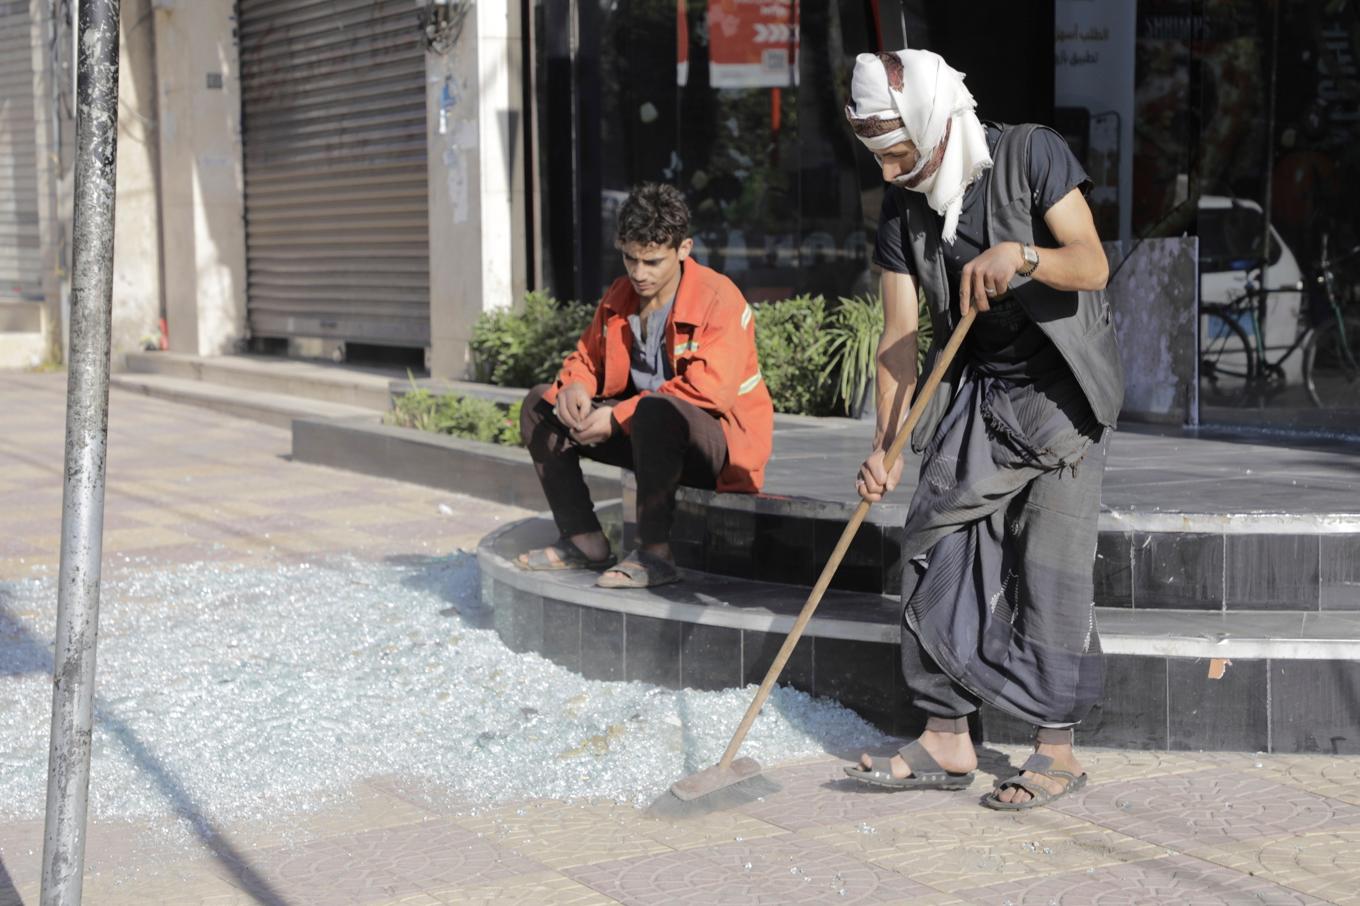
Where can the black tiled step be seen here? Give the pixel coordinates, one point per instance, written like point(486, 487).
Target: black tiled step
point(1176, 679)
point(1189, 562)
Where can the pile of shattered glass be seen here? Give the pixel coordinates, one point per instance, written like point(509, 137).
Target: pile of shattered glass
point(246, 690)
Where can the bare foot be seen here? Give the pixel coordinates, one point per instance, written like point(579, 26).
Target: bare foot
point(1064, 759)
point(952, 751)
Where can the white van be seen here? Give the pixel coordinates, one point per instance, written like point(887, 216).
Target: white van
point(1229, 239)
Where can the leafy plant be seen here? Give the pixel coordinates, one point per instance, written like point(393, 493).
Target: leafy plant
point(850, 340)
point(524, 347)
point(459, 416)
point(792, 352)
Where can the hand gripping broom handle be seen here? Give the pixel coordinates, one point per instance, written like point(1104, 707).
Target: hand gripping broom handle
point(815, 598)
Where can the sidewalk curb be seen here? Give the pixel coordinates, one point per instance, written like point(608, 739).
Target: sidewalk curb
point(487, 471)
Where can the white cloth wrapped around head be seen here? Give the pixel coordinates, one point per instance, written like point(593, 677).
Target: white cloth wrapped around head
point(914, 95)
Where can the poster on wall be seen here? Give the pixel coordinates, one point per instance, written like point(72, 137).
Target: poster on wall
point(1093, 84)
point(753, 43)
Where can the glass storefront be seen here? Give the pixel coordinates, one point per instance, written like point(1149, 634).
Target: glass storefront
point(1248, 111)
point(1243, 112)
point(739, 103)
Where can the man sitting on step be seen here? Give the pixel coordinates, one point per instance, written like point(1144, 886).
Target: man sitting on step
point(664, 381)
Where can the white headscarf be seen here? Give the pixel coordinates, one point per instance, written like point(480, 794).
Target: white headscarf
point(926, 96)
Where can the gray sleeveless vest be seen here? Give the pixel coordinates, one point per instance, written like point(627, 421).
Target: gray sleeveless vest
point(1078, 323)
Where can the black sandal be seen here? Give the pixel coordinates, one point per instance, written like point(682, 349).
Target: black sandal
point(569, 556)
point(926, 773)
point(640, 570)
point(1040, 795)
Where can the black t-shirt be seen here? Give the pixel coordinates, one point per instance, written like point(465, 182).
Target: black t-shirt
point(1053, 172)
point(1004, 341)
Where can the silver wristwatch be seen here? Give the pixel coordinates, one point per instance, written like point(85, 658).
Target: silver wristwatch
point(1031, 255)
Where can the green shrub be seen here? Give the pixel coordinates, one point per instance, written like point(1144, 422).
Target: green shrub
point(526, 347)
point(851, 338)
point(792, 351)
point(460, 416)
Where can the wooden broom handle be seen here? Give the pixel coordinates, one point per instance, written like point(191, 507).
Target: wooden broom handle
point(851, 527)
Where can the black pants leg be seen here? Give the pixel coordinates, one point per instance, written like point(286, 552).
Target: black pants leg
point(930, 687)
point(557, 459)
point(672, 442)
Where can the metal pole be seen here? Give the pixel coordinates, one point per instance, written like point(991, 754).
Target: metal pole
point(87, 405)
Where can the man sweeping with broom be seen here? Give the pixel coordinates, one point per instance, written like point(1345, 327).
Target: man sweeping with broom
point(1000, 536)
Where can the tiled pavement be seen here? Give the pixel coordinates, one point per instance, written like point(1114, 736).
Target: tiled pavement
point(186, 485)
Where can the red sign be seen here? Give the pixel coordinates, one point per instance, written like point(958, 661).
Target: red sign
point(753, 43)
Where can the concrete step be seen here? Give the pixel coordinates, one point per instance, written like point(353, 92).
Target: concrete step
point(1229, 681)
point(290, 377)
point(275, 409)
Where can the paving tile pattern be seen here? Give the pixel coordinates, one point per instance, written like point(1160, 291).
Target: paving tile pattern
point(185, 485)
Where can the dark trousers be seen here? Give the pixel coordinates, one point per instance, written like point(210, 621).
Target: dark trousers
point(932, 690)
point(671, 443)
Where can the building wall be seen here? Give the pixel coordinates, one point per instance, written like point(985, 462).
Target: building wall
point(137, 234)
point(203, 235)
point(476, 163)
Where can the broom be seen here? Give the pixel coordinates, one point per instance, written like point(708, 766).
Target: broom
point(733, 781)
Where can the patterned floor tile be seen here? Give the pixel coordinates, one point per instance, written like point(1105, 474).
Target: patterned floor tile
point(180, 885)
point(1326, 865)
point(363, 807)
point(529, 890)
point(707, 830)
point(957, 849)
point(774, 870)
point(380, 865)
point(1118, 765)
point(1336, 778)
point(1189, 812)
point(1170, 881)
point(561, 835)
point(818, 794)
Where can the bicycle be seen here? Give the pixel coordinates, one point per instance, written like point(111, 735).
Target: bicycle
point(1235, 360)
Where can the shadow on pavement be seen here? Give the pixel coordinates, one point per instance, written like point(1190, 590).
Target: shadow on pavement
point(21, 653)
point(9, 895)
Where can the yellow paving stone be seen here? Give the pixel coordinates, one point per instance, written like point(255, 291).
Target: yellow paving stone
point(563, 835)
point(1102, 765)
point(1337, 778)
point(1325, 865)
point(362, 808)
point(236, 507)
point(528, 890)
point(128, 541)
point(702, 831)
point(971, 847)
point(373, 514)
point(1117, 765)
point(20, 475)
point(183, 884)
point(931, 899)
point(23, 567)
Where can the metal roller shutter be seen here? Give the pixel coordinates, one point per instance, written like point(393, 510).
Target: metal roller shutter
point(337, 230)
point(20, 252)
